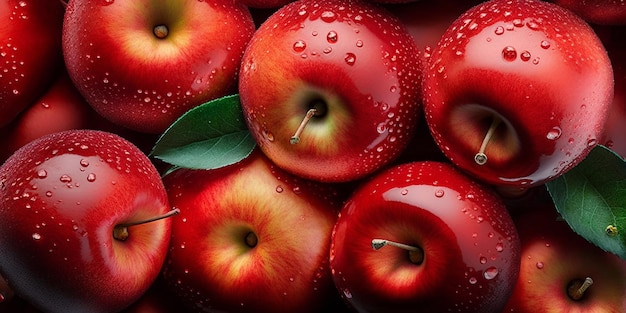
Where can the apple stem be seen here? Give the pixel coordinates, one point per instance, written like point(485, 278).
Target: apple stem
point(577, 289)
point(416, 254)
point(161, 31)
point(120, 231)
point(481, 158)
point(296, 136)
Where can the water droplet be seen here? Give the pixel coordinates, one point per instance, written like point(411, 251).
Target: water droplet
point(36, 236)
point(91, 177)
point(539, 265)
point(42, 174)
point(554, 133)
point(483, 260)
point(328, 16)
point(404, 192)
point(545, 44)
point(65, 178)
point(525, 56)
point(499, 30)
point(332, 36)
point(48, 193)
point(473, 280)
point(84, 163)
point(350, 58)
point(359, 43)
point(279, 189)
point(490, 273)
point(299, 46)
point(381, 128)
point(509, 53)
point(499, 247)
point(439, 193)
point(591, 142)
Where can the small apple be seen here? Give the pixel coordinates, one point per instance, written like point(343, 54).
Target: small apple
point(249, 238)
point(563, 272)
point(336, 80)
point(30, 52)
point(452, 245)
point(60, 108)
point(78, 230)
point(517, 92)
point(143, 63)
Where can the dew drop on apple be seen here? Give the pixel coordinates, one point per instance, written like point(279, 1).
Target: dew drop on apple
point(554, 133)
point(499, 30)
point(328, 16)
point(525, 56)
point(499, 247)
point(539, 265)
point(473, 280)
point(509, 53)
point(381, 128)
point(483, 260)
point(490, 273)
point(350, 58)
point(84, 162)
point(439, 193)
point(42, 173)
point(332, 36)
point(545, 44)
point(299, 46)
point(91, 177)
point(36, 236)
point(279, 189)
point(65, 178)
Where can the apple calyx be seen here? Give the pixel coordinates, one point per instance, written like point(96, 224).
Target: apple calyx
point(577, 288)
point(161, 31)
point(481, 158)
point(251, 239)
point(317, 108)
point(121, 233)
point(416, 254)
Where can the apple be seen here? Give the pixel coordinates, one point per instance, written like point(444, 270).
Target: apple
point(517, 92)
point(77, 231)
point(330, 89)
point(604, 12)
point(451, 244)
point(60, 108)
point(265, 4)
point(142, 64)
point(250, 238)
point(563, 272)
point(30, 50)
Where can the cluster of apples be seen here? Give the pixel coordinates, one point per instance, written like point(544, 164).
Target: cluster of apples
point(366, 156)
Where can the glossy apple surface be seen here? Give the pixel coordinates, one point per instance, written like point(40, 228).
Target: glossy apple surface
point(533, 70)
point(141, 64)
point(62, 197)
point(30, 52)
point(554, 258)
point(249, 238)
point(468, 244)
point(363, 76)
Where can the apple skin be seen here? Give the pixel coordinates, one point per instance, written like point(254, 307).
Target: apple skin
point(210, 266)
point(603, 12)
point(462, 227)
point(366, 73)
point(614, 136)
point(62, 195)
point(552, 256)
point(60, 108)
point(550, 83)
point(142, 82)
point(30, 50)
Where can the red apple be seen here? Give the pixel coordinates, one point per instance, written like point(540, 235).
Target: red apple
point(30, 52)
point(606, 12)
point(555, 264)
point(69, 202)
point(330, 88)
point(142, 63)
point(453, 245)
point(60, 108)
point(249, 238)
point(517, 92)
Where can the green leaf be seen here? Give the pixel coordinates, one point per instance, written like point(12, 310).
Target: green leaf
point(591, 197)
point(209, 136)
